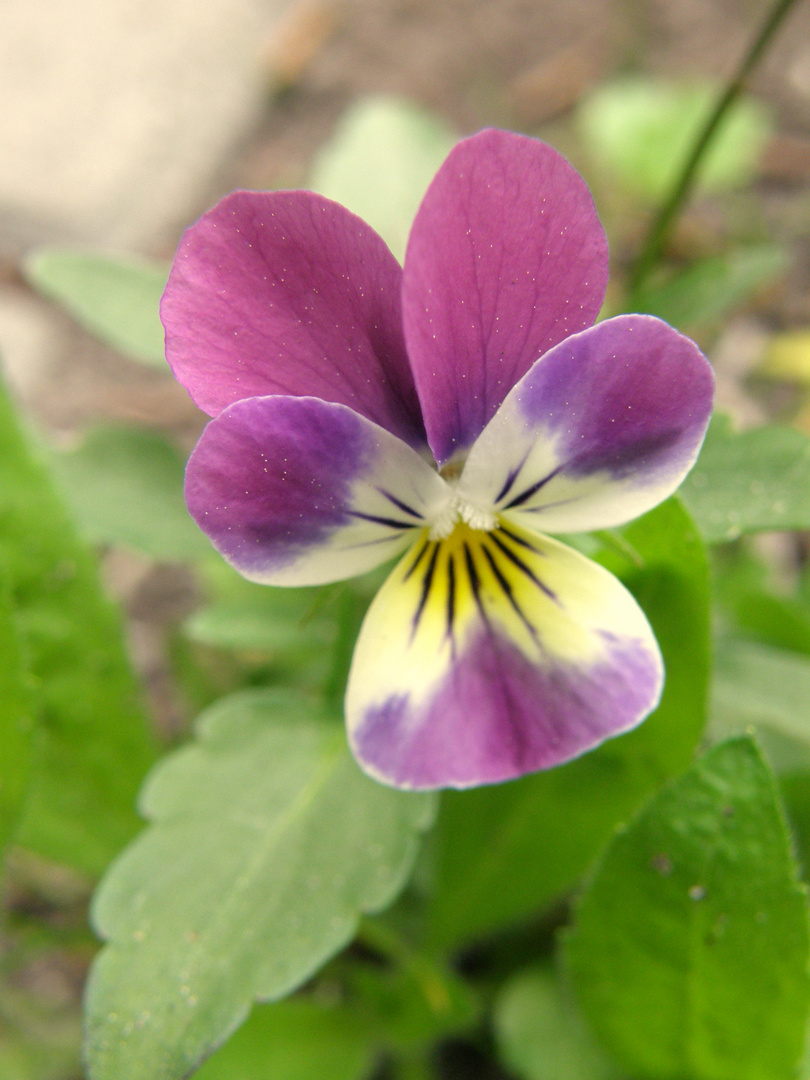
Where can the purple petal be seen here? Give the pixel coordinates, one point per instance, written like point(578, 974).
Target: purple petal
point(494, 655)
point(602, 428)
point(289, 293)
point(298, 491)
point(506, 259)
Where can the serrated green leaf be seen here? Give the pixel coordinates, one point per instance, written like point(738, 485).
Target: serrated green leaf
point(298, 1039)
point(689, 950)
point(92, 744)
point(710, 287)
point(267, 845)
point(16, 717)
point(117, 298)
point(379, 163)
point(507, 851)
point(541, 1035)
point(751, 481)
point(125, 486)
point(644, 130)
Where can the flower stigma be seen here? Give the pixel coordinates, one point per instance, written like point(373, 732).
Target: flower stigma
point(457, 509)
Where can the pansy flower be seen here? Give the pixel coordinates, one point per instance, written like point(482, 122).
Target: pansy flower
point(452, 413)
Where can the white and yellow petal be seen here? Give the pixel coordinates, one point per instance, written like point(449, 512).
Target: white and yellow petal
point(601, 429)
point(299, 491)
point(487, 655)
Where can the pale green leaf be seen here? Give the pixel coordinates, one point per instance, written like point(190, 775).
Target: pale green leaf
point(117, 298)
point(689, 950)
point(769, 688)
point(541, 1035)
point(644, 130)
point(379, 163)
point(751, 481)
point(92, 746)
point(292, 622)
point(706, 289)
point(125, 486)
point(267, 845)
point(506, 851)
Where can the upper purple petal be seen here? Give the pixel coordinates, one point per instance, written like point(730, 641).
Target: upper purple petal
point(506, 258)
point(290, 293)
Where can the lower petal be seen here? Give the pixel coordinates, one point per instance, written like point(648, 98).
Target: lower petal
point(489, 655)
point(298, 491)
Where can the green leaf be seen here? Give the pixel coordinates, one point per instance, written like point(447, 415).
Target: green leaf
point(643, 131)
point(541, 1035)
point(267, 845)
point(126, 488)
point(379, 163)
point(689, 950)
point(505, 852)
point(298, 1039)
point(16, 718)
point(117, 298)
point(710, 287)
point(767, 687)
point(92, 747)
point(751, 481)
point(287, 622)
point(751, 604)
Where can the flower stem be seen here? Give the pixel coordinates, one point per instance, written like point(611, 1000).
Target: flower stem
point(424, 971)
point(413, 1066)
point(349, 617)
point(682, 188)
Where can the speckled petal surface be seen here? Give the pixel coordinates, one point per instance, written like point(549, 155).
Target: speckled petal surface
point(289, 293)
point(506, 258)
point(603, 428)
point(489, 655)
point(298, 491)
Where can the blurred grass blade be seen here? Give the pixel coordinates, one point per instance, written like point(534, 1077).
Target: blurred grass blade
point(709, 288)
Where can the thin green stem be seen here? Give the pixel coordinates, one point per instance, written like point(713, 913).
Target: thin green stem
point(422, 969)
point(662, 223)
point(349, 617)
point(616, 542)
point(415, 1065)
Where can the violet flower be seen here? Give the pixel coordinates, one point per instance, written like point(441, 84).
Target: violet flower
point(451, 412)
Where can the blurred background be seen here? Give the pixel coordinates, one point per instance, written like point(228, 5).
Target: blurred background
point(122, 120)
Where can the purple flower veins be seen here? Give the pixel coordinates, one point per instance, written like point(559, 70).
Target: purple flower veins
point(452, 412)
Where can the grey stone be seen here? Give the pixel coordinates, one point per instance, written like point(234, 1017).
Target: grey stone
point(116, 113)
